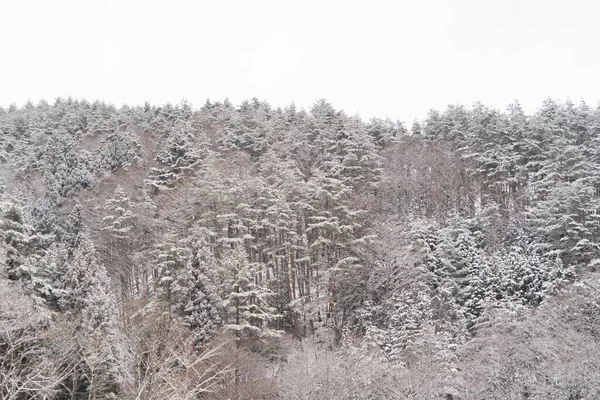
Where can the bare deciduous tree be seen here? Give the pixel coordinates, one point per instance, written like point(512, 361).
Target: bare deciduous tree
point(159, 359)
point(33, 361)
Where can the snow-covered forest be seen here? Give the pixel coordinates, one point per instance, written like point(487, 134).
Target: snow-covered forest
point(252, 252)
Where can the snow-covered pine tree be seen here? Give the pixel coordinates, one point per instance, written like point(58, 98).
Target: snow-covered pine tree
point(456, 261)
point(179, 155)
point(118, 226)
point(385, 132)
point(120, 148)
point(88, 287)
point(564, 185)
point(415, 129)
point(250, 130)
point(249, 313)
point(88, 296)
point(28, 251)
point(198, 301)
point(17, 237)
point(74, 229)
point(170, 259)
point(66, 168)
point(360, 162)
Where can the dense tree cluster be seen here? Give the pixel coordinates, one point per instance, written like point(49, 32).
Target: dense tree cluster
point(257, 252)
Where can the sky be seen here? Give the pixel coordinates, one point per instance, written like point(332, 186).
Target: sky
point(396, 59)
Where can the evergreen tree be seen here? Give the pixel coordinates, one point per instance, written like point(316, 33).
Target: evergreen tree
point(384, 132)
point(29, 256)
point(170, 259)
point(88, 287)
point(74, 228)
point(248, 310)
point(118, 227)
point(66, 168)
point(416, 129)
point(360, 163)
point(120, 148)
point(180, 154)
point(88, 296)
point(17, 237)
point(199, 303)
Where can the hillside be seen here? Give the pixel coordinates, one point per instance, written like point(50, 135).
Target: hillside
point(238, 252)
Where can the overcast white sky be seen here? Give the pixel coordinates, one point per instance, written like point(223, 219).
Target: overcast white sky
point(378, 58)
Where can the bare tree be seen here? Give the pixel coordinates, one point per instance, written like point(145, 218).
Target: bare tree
point(159, 359)
point(33, 361)
point(545, 353)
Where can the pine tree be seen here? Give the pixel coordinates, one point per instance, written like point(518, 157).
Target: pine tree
point(198, 302)
point(170, 258)
point(385, 132)
point(120, 148)
point(360, 163)
point(180, 154)
point(249, 312)
point(456, 262)
point(253, 132)
point(89, 298)
point(17, 237)
point(88, 287)
point(416, 129)
point(29, 251)
point(564, 186)
point(118, 227)
point(74, 228)
point(66, 168)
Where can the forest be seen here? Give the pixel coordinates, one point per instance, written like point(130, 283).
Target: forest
point(253, 252)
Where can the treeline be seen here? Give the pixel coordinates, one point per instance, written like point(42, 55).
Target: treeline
point(166, 252)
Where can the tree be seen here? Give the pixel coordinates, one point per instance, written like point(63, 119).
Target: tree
point(416, 129)
point(66, 167)
point(160, 359)
point(360, 162)
point(74, 229)
point(17, 237)
point(88, 287)
point(247, 303)
point(170, 259)
point(119, 149)
point(33, 361)
point(179, 155)
point(118, 226)
point(199, 303)
point(29, 253)
point(564, 187)
point(384, 131)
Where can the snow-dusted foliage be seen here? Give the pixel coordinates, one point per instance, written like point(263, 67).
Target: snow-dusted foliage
point(180, 154)
point(199, 302)
point(88, 288)
point(247, 302)
point(457, 260)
